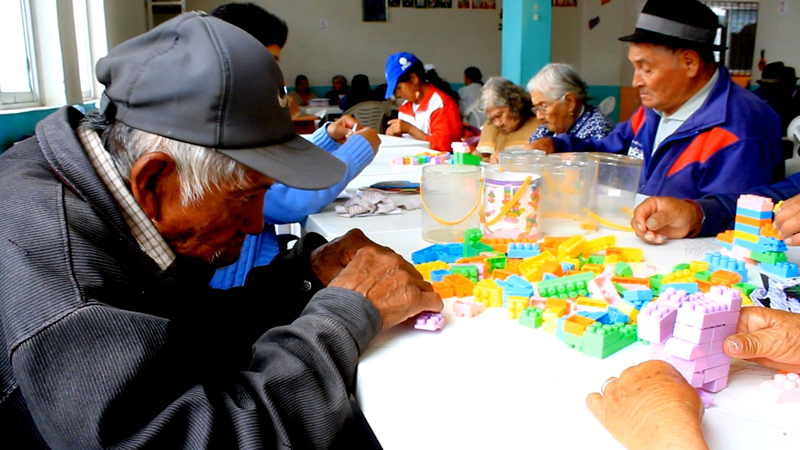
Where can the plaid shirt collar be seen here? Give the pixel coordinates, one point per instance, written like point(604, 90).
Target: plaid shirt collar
point(150, 240)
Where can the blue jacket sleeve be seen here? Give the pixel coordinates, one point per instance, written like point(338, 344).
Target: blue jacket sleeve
point(720, 209)
point(283, 204)
point(618, 140)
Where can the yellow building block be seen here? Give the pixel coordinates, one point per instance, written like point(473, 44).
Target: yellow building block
point(515, 305)
point(610, 260)
point(628, 310)
point(625, 254)
point(529, 266)
point(591, 302)
point(681, 276)
point(599, 245)
point(426, 268)
point(698, 266)
point(745, 236)
point(575, 262)
point(570, 248)
point(488, 293)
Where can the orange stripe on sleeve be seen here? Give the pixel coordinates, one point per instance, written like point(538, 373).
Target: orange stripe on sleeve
point(703, 147)
point(637, 120)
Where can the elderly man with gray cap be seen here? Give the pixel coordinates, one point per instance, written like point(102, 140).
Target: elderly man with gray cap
point(112, 226)
point(697, 130)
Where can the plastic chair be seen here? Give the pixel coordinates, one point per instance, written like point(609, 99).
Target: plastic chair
point(475, 117)
point(607, 105)
point(371, 114)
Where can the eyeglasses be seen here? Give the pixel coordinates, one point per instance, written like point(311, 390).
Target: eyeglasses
point(543, 107)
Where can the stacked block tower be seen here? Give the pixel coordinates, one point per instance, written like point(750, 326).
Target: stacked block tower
point(754, 239)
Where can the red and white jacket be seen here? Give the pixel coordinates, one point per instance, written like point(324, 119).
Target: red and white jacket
point(437, 115)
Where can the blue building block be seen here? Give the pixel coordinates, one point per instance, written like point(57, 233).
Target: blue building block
point(772, 244)
point(690, 288)
point(752, 246)
point(566, 267)
point(717, 261)
point(616, 316)
point(560, 328)
point(755, 231)
point(548, 276)
point(448, 253)
point(753, 214)
point(638, 295)
point(516, 286)
point(599, 316)
point(437, 275)
point(781, 269)
point(725, 245)
point(520, 250)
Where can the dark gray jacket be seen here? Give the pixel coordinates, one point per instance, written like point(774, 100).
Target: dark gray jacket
point(100, 348)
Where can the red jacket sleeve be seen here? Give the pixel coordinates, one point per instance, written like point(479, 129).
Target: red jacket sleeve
point(445, 127)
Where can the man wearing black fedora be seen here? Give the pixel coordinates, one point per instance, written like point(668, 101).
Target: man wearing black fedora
point(696, 129)
point(776, 86)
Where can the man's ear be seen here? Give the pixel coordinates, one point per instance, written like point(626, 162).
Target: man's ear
point(690, 59)
point(153, 177)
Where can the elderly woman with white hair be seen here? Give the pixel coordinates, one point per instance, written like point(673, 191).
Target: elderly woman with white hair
point(510, 118)
point(559, 97)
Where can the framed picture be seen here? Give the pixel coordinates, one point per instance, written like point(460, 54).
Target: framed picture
point(565, 3)
point(374, 10)
point(490, 4)
point(445, 3)
point(433, 3)
point(477, 4)
point(421, 3)
point(463, 4)
point(408, 3)
point(394, 3)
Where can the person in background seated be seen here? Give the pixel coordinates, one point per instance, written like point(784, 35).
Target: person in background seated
point(268, 28)
point(651, 406)
point(471, 92)
point(697, 130)
point(359, 92)
point(283, 204)
point(428, 114)
point(339, 90)
point(559, 96)
point(510, 118)
point(433, 78)
point(302, 92)
point(776, 86)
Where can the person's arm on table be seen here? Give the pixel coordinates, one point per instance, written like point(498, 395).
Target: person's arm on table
point(283, 204)
point(617, 141)
point(657, 219)
point(650, 406)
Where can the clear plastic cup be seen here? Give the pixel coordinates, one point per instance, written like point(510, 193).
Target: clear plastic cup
point(567, 190)
point(511, 200)
point(451, 198)
point(514, 158)
point(617, 184)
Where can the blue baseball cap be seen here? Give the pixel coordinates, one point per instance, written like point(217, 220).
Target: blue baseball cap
point(397, 65)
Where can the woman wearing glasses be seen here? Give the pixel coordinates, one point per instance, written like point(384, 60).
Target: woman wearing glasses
point(559, 99)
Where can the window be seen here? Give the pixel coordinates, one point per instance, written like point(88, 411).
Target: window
point(18, 84)
point(80, 16)
point(738, 21)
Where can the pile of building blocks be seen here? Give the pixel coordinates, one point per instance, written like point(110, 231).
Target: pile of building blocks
point(783, 388)
point(688, 330)
point(754, 240)
point(423, 158)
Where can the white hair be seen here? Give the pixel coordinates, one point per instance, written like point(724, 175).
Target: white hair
point(557, 79)
point(499, 92)
point(199, 168)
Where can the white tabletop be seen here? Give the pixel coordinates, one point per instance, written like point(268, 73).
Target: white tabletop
point(394, 141)
point(325, 110)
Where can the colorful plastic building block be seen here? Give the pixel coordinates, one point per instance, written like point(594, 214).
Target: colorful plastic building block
point(566, 287)
point(782, 388)
point(488, 293)
point(689, 288)
point(462, 286)
point(429, 321)
point(717, 261)
point(529, 266)
point(525, 250)
point(599, 245)
point(781, 269)
point(467, 309)
point(570, 248)
point(601, 341)
point(724, 278)
point(628, 255)
point(623, 269)
point(443, 289)
point(531, 317)
point(515, 305)
point(657, 321)
point(576, 324)
point(467, 270)
point(426, 268)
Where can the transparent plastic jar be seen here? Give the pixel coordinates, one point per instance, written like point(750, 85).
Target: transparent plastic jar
point(617, 184)
point(511, 199)
point(451, 197)
point(567, 190)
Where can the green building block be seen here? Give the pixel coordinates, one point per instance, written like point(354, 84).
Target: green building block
point(571, 286)
point(679, 267)
point(747, 288)
point(597, 259)
point(573, 341)
point(705, 275)
point(655, 284)
point(472, 236)
point(475, 249)
point(619, 288)
point(601, 341)
point(768, 257)
point(469, 272)
point(467, 159)
point(531, 317)
point(498, 261)
point(583, 260)
point(623, 269)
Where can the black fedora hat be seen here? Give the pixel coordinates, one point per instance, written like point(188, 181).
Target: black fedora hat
point(676, 24)
point(772, 73)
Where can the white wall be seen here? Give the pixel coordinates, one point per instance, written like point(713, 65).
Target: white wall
point(451, 39)
point(566, 41)
point(778, 34)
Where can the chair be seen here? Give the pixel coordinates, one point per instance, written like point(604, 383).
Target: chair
point(371, 114)
point(475, 117)
point(607, 105)
point(793, 139)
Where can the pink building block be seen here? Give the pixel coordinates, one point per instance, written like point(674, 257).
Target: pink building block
point(673, 297)
point(429, 321)
point(755, 203)
point(782, 388)
point(705, 314)
point(467, 309)
point(716, 385)
point(699, 364)
point(701, 336)
point(705, 397)
point(689, 350)
point(656, 321)
point(731, 298)
point(656, 351)
point(602, 287)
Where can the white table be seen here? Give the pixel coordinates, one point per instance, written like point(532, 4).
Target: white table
point(489, 383)
point(394, 141)
point(321, 111)
point(382, 169)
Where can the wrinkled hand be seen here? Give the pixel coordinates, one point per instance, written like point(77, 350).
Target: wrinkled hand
point(767, 336)
point(397, 127)
point(342, 128)
point(544, 144)
point(660, 218)
point(787, 221)
point(328, 260)
point(650, 406)
point(393, 285)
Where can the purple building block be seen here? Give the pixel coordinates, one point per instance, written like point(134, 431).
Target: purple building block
point(716, 385)
point(429, 321)
point(699, 364)
point(656, 322)
point(689, 350)
point(701, 336)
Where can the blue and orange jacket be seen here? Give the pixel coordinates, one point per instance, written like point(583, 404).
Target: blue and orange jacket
point(731, 144)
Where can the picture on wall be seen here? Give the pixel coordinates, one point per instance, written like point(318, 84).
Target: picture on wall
point(477, 4)
point(445, 3)
point(463, 4)
point(565, 3)
point(408, 3)
point(394, 3)
point(433, 3)
point(490, 4)
point(422, 3)
point(374, 10)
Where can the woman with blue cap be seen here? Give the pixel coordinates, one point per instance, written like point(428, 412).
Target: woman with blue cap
point(428, 114)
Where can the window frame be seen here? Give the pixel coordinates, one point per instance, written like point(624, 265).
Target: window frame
point(19, 100)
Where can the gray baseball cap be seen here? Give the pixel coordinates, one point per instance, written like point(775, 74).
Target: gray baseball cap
point(200, 80)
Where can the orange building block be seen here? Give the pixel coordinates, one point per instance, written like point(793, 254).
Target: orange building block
point(725, 278)
point(769, 231)
point(444, 290)
point(758, 223)
point(577, 324)
point(596, 268)
point(704, 286)
point(631, 280)
point(726, 237)
point(552, 267)
point(462, 285)
point(502, 274)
